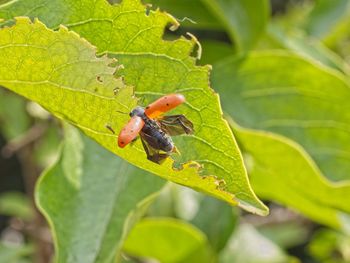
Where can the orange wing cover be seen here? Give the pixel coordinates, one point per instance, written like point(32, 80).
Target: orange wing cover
point(164, 104)
point(130, 131)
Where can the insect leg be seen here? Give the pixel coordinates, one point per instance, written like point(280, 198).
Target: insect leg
point(110, 128)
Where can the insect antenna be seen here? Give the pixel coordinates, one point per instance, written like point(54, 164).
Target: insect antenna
point(122, 112)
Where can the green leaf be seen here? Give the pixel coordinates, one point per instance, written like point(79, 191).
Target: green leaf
point(307, 46)
point(282, 171)
point(289, 95)
point(153, 66)
point(14, 120)
point(4, 1)
point(326, 16)
point(168, 240)
point(13, 254)
point(326, 243)
point(244, 20)
point(46, 149)
point(217, 228)
point(248, 246)
point(16, 204)
point(288, 234)
point(91, 198)
point(214, 51)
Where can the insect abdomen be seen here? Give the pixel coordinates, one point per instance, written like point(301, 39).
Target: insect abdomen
point(160, 140)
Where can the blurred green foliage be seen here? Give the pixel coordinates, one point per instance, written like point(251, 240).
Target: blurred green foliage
point(16, 204)
point(283, 81)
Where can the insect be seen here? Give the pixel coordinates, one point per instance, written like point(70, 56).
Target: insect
point(155, 130)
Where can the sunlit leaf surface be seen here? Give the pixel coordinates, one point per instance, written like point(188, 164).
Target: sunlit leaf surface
point(77, 86)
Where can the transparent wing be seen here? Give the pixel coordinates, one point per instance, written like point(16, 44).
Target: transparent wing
point(175, 125)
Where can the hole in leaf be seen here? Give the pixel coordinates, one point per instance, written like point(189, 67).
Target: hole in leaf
point(148, 9)
point(114, 2)
point(199, 33)
point(169, 35)
point(99, 79)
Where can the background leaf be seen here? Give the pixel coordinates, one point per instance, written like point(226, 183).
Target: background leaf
point(14, 119)
point(281, 170)
point(305, 46)
point(248, 246)
point(244, 20)
point(154, 67)
point(302, 100)
point(326, 242)
point(219, 232)
point(16, 204)
point(168, 240)
point(10, 254)
point(97, 199)
point(326, 16)
point(288, 234)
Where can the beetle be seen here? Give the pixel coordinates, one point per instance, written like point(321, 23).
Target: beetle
point(155, 130)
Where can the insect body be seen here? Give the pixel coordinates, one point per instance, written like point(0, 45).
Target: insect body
point(155, 130)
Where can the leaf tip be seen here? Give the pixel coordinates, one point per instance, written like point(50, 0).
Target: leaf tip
point(262, 210)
